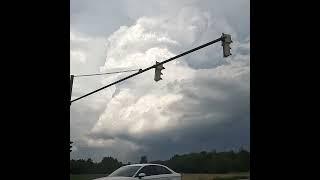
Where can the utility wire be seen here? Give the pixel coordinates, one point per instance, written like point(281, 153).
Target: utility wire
point(151, 67)
point(98, 74)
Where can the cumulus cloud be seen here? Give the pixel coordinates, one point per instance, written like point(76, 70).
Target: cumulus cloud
point(202, 102)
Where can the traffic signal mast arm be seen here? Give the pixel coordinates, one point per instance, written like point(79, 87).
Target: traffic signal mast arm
point(222, 38)
point(98, 74)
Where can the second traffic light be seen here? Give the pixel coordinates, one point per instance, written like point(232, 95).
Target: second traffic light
point(157, 72)
point(70, 145)
point(226, 41)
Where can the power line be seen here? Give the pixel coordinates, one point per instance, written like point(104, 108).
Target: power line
point(98, 74)
point(151, 67)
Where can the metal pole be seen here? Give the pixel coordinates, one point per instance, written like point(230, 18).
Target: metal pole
point(71, 84)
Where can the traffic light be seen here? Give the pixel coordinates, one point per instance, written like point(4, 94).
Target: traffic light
point(157, 74)
point(226, 41)
point(70, 145)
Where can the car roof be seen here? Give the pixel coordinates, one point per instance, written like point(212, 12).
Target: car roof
point(145, 164)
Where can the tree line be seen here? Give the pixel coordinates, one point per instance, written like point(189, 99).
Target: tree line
point(203, 162)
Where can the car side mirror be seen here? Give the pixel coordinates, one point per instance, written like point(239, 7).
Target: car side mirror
point(141, 175)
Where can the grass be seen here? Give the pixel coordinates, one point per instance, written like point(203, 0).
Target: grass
point(232, 176)
point(85, 176)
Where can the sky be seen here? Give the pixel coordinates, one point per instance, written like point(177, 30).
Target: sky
point(203, 101)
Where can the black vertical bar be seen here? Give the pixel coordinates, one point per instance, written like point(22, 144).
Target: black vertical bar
point(71, 84)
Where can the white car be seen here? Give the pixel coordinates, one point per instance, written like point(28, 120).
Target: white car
point(143, 171)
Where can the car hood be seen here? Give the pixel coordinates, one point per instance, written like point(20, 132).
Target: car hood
point(116, 178)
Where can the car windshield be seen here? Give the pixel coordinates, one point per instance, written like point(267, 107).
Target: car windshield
point(125, 171)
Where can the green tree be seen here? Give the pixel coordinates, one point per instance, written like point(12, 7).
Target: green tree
point(203, 162)
point(143, 159)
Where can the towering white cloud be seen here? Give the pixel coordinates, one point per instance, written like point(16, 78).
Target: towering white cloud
point(202, 95)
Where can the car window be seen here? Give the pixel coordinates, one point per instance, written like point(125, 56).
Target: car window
point(148, 170)
point(151, 170)
point(162, 170)
point(125, 171)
